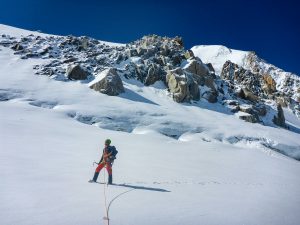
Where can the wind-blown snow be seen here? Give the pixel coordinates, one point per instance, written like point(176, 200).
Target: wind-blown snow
point(185, 163)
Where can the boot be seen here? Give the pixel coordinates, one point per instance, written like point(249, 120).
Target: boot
point(95, 176)
point(110, 179)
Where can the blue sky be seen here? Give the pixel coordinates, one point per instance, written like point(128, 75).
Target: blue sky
point(270, 28)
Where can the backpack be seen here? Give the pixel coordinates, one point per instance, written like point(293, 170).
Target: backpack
point(113, 151)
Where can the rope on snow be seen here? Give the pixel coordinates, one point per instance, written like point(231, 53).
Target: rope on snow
point(105, 218)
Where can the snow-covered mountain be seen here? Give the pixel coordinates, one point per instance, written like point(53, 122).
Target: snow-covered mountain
point(218, 55)
point(287, 84)
point(184, 154)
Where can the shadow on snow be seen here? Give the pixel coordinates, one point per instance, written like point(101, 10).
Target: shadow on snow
point(135, 187)
point(142, 187)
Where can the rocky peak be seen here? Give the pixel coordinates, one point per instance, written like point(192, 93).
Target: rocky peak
point(278, 80)
point(150, 41)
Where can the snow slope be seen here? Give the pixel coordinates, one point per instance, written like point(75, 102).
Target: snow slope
point(215, 169)
point(218, 55)
point(18, 32)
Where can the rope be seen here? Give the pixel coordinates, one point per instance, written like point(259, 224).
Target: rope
point(105, 201)
point(106, 208)
point(117, 197)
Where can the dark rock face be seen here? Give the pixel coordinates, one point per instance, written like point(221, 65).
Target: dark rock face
point(109, 83)
point(131, 52)
point(246, 94)
point(75, 72)
point(249, 118)
point(194, 91)
point(279, 120)
point(176, 60)
point(17, 47)
point(179, 42)
point(247, 112)
point(197, 68)
point(210, 82)
point(287, 84)
point(210, 96)
point(238, 75)
point(258, 85)
point(260, 109)
point(156, 56)
point(246, 109)
point(210, 67)
point(154, 74)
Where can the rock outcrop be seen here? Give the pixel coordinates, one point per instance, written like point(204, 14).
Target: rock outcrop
point(17, 47)
point(197, 67)
point(270, 85)
point(75, 72)
point(154, 74)
point(189, 54)
point(203, 76)
point(246, 94)
point(154, 58)
point(211, 96)
point(241, 77)
point(182, 86)
point(277, 81)
point(249, 118)
point(108, 82)
point(279, 119)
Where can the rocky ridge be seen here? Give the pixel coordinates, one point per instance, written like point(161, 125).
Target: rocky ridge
point(250, 92)
point(282, 87)
point(276, 85)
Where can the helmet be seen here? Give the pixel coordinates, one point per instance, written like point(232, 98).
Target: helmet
point(107, 141)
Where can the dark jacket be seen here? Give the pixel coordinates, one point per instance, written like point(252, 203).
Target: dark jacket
point(110, 152)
